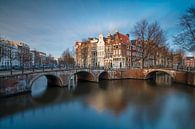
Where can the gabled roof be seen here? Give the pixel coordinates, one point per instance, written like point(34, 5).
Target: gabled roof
point(124, 38)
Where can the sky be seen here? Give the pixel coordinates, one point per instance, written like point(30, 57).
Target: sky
point(52, 26)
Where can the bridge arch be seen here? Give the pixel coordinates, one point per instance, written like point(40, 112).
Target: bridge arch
point(152, 72)
point(51, 80)
point(104, 75)
point(85, 76)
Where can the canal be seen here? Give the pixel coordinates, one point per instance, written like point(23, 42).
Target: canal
point(111, 104)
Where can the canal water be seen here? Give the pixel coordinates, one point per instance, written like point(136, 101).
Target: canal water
point(113, 104)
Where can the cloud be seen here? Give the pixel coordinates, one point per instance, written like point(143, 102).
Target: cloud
point(53, 26)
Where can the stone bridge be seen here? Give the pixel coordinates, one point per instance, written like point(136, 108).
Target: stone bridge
point(11, 84)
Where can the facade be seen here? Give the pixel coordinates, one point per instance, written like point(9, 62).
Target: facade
point(8, 54)
point(24, 55)
point(108, 60)
point(117, 51)
point(50, 61)
point(163, 58)
point(136, 53)
point(177, 60)
point(78, 58)
point(121, 51)
point(189, 62)
point(86, 53)
point(38, 58)
point(17, 55)
point(92, 47)
point(100, 51)
point(159, 56)
point(114, 51)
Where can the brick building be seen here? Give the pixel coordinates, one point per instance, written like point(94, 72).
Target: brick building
point(121, 51)
point(86, 53)
point(189, 62)
point(38, 58)
point(108, 60)
point(117, 51)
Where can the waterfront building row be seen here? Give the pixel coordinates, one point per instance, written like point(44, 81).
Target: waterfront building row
point(118, 51)
point(17, 55)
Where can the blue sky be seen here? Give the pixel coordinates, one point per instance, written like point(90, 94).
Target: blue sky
point(54, 25)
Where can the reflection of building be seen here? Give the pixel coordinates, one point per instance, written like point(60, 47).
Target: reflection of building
point(111, 100)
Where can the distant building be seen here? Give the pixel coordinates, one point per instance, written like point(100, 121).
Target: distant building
point(9, 54)
point(24, 55)
point(38, 58)
point(50, 61)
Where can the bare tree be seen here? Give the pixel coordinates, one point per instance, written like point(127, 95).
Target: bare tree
point(151, 36)
point(186, 38)
point(67, 58)
point(84, 54)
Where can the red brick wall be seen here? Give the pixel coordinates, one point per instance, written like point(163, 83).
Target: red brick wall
point(181, 77)
point(131, 73)
point(191, 79)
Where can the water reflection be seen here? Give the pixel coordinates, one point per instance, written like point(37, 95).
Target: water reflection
point(116, 104)
point(72, 88)
point(39, 87)
point(161, 79)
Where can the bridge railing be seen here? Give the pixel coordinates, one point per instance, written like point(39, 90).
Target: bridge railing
point(45, 69)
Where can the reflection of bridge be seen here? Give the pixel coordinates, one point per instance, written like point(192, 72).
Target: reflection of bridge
point(23, 82)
